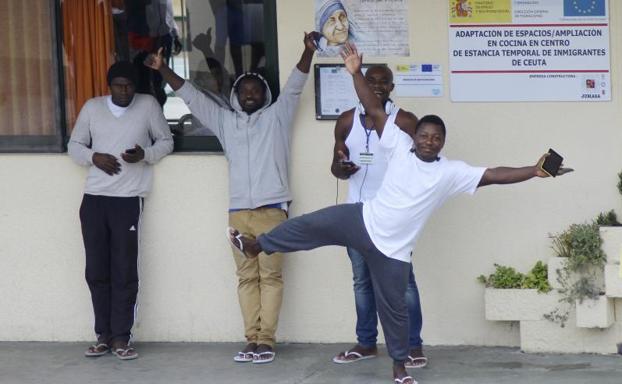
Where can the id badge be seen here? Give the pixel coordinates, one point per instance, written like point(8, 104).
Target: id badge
point(366, 158)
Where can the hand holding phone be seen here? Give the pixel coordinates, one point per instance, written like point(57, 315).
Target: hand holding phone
point(133, 155)
point(347, 163)
point(552, 163)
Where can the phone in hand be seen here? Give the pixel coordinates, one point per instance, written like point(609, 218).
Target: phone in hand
point(130, 151)
point(552, 163)
point(347, 163)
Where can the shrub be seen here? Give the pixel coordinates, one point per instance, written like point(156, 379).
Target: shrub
point(508, 278)
point(609, 219)
point(580, 243)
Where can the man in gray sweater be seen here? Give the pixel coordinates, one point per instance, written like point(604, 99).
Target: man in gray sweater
point(255, 136)
point(119, 137)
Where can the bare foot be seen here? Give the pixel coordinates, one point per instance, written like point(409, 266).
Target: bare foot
point(247, 246)
point(399, 374)
point(263, 354)
point(356, 353)
point(416, 358)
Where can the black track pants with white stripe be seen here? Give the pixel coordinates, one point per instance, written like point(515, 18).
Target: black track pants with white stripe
point(110, 228)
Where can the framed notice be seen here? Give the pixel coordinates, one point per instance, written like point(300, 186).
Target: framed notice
point(536, 50)
point(334, 90)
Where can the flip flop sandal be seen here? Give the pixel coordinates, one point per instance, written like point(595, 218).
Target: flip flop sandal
point(243, 357)
point(416, 362)
point(96, 350)
point(127, 353)
point(257, 357)
point(351, 357)
point(404, 379)
point(236, 241)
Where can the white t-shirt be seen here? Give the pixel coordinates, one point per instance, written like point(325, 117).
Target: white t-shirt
point(411, 191)
point(116, 110)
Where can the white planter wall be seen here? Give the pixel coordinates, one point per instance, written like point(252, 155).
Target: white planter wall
point(596, 313)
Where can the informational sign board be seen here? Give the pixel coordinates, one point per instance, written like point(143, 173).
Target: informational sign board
point(377, 27)
point(334, 90)
point(418, 80)
point(536, 50)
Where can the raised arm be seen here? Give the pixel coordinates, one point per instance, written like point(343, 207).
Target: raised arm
point(341, 168)
point(373, 106)
point(304, 64)
point(156, 62)
point(509, 175)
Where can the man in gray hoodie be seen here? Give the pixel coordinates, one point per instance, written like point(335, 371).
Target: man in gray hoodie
point(255, 135)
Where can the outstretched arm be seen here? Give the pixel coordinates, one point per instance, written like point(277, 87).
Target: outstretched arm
point(372, 104)
point(508, 175)
point(156, 62)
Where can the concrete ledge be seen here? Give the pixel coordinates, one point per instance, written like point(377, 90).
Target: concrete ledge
point(546, 336)
point(558, 263)
point(612, 243)
point(518, 304)
point(613, 281)
point(595, 313)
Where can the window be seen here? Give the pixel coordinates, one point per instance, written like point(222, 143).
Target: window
point(219, 39)
point(30, 120)
point(46, 79)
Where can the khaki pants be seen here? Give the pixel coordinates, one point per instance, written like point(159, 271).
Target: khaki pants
point(260, 281)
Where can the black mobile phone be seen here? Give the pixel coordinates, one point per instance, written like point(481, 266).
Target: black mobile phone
point(348, 163)
point(130, 151)
point(552, 163)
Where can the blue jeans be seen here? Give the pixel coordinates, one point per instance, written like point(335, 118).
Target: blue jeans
point(365, 302)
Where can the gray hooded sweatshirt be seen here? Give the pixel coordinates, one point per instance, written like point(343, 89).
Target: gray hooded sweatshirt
point(257, 146)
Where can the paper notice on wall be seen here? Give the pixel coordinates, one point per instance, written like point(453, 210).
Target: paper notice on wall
point(377, 27)
point(418, 80)
point(536, 50)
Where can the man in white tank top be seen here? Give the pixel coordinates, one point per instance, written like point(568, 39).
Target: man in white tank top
point(357, 159)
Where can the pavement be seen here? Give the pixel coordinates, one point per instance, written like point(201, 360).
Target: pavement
point(207, 363)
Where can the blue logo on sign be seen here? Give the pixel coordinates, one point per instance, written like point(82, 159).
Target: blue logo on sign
point(584, 7)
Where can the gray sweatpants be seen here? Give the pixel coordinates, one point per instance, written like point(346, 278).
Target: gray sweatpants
point(343, 225)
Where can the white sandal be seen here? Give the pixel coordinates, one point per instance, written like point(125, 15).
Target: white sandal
point(258, 360)
point(358, 357)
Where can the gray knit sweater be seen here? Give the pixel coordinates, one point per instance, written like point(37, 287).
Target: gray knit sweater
point(98, 130)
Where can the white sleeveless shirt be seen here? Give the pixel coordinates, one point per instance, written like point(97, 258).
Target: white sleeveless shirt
point(364, 184)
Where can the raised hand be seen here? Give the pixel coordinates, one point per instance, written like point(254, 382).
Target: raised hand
point(351, 58)
point(107, 163)
point(310, 40)
point(155, 61)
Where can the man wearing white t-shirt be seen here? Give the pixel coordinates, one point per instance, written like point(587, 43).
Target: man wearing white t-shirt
point(385, 229)
point(357, 158)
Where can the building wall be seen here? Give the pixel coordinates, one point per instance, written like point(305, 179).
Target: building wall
point(187, 290)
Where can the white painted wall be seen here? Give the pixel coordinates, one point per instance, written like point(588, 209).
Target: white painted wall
point(187, 273)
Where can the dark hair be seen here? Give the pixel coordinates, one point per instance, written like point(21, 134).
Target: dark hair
point(250, 76)
point(383, 67)
point(122, 69)
point(431, 119)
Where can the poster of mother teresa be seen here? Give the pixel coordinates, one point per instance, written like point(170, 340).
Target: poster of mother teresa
point(378, 28)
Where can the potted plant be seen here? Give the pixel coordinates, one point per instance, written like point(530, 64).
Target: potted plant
point(579, 275)
point(514, 296)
